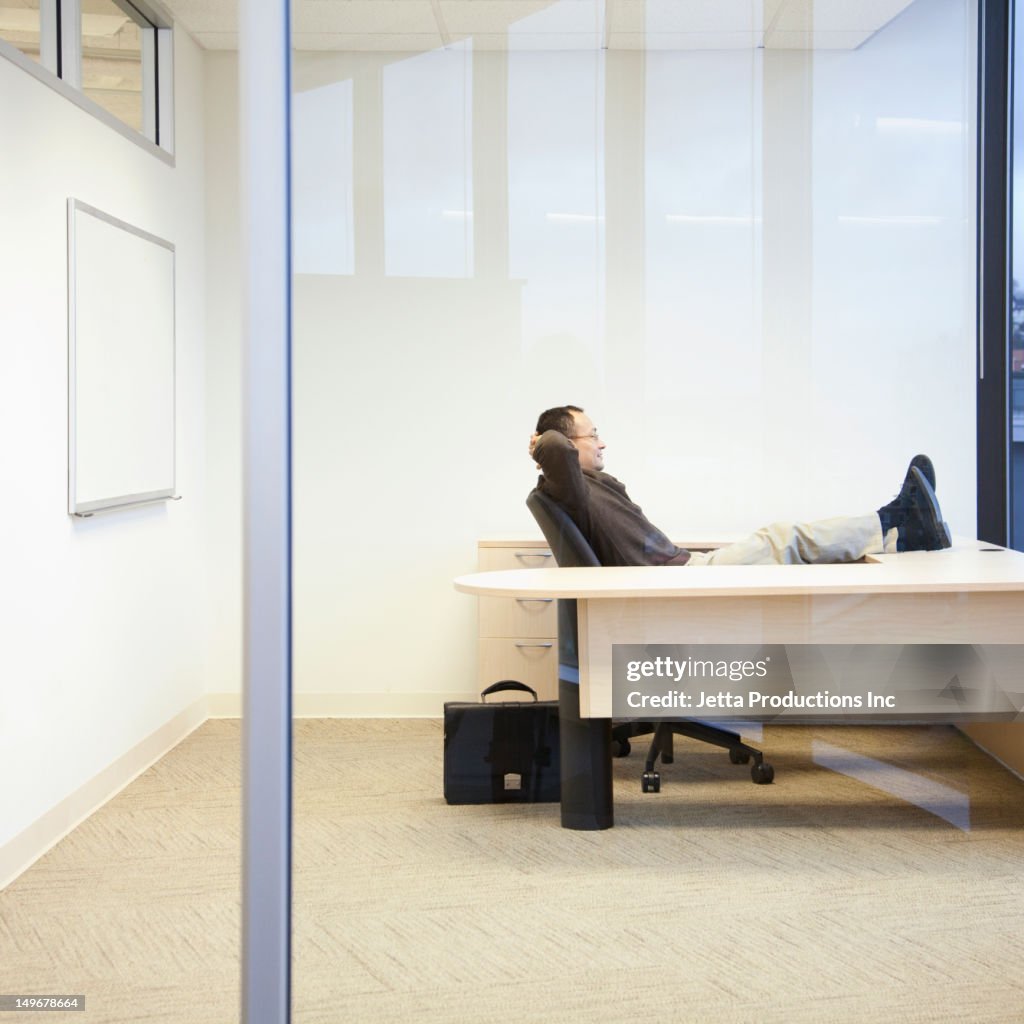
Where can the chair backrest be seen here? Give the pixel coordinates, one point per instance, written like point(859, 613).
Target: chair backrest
point(570, 548)
point(571, 551)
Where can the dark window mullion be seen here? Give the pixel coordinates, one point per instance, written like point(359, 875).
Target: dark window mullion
point(994, 107)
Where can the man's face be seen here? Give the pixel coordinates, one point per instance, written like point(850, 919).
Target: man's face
point(589, 445)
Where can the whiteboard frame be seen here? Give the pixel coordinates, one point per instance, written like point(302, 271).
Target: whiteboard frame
point(88, 508)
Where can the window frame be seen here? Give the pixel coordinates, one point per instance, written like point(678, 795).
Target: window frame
point(59, 67)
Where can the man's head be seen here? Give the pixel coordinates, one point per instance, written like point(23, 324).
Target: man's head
point(576, 425)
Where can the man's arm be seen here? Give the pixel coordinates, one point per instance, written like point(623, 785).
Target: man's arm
point(559, 461)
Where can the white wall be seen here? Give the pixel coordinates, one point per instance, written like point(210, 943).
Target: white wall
point(755, 269)
point(104, 620)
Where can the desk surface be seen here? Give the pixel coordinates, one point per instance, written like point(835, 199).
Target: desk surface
point(968, 566)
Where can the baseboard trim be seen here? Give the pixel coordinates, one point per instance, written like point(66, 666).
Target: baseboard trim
point(1009, 755)
point(350, 705)
point(42, 835)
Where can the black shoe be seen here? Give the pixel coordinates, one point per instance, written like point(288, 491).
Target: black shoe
point(917, 516)
point(923, 463)
point(894, 514)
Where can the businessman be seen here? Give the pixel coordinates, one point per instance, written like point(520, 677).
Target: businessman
point(570, 453)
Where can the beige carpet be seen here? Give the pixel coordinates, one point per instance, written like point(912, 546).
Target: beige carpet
point(823, 897)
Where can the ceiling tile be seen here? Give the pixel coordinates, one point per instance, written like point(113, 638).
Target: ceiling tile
point(554, 41)
point(698, 15)
point(838, 15)
point(488, 16)
point(369, 16)
point(566, 16)
point(217, 40)
point(683, 40)
point(398, 42)
point(410, 25)
point(816, 40)
point(203, 16)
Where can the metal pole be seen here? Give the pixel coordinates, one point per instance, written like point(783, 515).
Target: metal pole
point(264, 90)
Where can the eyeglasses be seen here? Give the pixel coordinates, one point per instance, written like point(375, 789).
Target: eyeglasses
point(586, 437)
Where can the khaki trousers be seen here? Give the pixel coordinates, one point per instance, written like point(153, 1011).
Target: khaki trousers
point(844, 539)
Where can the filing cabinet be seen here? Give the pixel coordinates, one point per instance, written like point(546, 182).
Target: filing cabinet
point(518, 638)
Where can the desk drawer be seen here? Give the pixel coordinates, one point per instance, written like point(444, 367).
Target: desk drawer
point(510, 616)
point(531, 660)
point(514, 557)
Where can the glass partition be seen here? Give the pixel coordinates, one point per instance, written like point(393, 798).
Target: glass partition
point(741, 236)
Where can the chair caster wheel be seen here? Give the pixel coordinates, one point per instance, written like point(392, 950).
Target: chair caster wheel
point(650, 782)
point(762, 773)
point(621, 748)
point(738, 757)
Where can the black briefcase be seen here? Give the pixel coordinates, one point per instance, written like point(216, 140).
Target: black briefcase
point(501, 753)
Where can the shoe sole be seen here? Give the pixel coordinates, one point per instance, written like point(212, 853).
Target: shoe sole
point(934, 521)
point(924, 464)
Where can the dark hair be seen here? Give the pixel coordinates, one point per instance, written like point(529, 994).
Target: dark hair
point(559, 418)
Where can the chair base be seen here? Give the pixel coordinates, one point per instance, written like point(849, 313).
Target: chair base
point(663, 734)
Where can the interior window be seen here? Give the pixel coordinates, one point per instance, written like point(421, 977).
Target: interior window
point(20, 25)
point(114, 50)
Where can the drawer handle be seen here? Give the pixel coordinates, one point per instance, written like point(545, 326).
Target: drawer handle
point(548, 644)
point(532, 554)
point(535, 600)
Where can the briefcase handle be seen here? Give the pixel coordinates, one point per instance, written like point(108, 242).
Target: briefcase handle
point(507, 684)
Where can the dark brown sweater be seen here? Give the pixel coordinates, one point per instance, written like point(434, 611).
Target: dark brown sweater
point(616, 528)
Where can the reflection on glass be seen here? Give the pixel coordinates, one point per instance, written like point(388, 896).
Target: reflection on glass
point(934, 797)
point(893, 281)
point(322, 180)
point(702, 258)
point(428, 168)
point(753, 265)
point(556, 205)
point(112, 60)
point(20, 25)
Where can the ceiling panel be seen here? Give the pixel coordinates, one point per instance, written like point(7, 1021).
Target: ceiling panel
point(488, 16)
point(200, 16)
point(838, 15)
point(549, 41)
point(815, 40)
point(689, 15)
point(371, 17)
point(346, 42)
point(217, 40)
point(417, 25)
point(683, 40)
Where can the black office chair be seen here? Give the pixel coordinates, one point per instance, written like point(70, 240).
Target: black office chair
point(572, 550)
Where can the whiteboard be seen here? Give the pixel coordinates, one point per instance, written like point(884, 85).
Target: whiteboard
point(121, 366)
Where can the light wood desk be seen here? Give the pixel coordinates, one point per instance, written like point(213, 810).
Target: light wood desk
point(972, 593)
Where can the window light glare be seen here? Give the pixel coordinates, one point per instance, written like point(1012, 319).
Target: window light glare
point(906, 221)
point(918, 126)
point(574, 218)
point(708, 218)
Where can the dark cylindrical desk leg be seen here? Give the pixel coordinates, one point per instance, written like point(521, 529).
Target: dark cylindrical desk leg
point(586, 764)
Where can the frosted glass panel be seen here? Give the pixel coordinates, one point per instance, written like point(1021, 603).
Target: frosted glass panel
point(428, 184)
point(322, 178)
point(702, 262)
point(556, 202)
point(893, 206)
point(752, 265)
